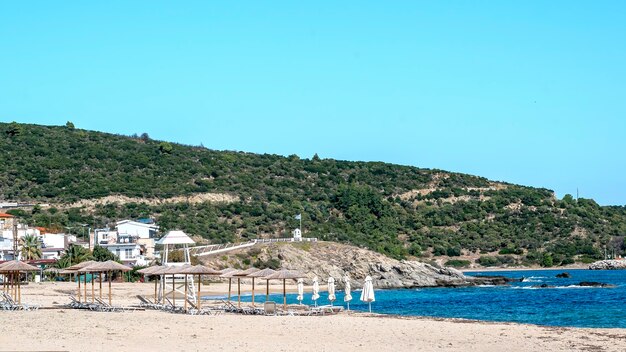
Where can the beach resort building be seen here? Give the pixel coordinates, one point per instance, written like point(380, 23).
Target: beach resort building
point(53, 245)
point(132, 241)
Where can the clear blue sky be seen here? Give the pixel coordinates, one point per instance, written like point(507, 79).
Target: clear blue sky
point(530, 92)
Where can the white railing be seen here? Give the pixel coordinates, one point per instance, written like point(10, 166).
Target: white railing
point(225, 247)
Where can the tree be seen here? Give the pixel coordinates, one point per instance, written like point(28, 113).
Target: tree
point(547, 260)
point(31, 248)
point(101, 254)
point(165, 148)
point(14, 129)
point(144, 137)
point(73, 255)
point(69, 125)
point(316, 157)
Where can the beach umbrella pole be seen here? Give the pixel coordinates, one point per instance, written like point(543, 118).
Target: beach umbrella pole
point(185, 292)
point(267, 290)
point(238, 292)
point(229, 286)
point(173, 291)
point(284, 294)
point(109, 275)
point(19, 289)
point(253, 292)
point(198, 301)
point(370, 306)
point(100, 279)
point(92, 290)
point(155, 289)
point(85, 287)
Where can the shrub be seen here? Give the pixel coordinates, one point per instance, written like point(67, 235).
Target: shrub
point(453, 251)
point(487, 260)
point(458, 263)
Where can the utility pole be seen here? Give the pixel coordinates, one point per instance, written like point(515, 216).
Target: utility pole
point(15, 239)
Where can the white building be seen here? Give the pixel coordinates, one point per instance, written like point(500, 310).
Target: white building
point(53, 245)
point(132, 241)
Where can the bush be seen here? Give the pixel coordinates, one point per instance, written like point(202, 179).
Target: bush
point(453, 251)
point(547, 260)
point(438, 250)
point(488, 260)
point(507, 250)
point(415, 249)
point(456, 263)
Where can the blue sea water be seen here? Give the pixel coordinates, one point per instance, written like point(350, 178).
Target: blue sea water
point(567, 304)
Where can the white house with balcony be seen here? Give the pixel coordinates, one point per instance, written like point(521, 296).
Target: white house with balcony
point(132, 241)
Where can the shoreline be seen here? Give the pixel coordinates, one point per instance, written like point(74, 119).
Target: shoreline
point(498, 269)
point(79, 330)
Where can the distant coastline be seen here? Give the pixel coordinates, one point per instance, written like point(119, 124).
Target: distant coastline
point(577, 267)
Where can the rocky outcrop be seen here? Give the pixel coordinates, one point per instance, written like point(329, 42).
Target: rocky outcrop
point(329, 259)
point(608, 265)
point(594, 284)
point(563, 276)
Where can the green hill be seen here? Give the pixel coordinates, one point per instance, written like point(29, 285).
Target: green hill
point(397, 210)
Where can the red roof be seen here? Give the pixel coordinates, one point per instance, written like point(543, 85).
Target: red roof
point(5, 215)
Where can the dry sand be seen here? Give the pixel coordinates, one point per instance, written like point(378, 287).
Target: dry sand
point(74, 330)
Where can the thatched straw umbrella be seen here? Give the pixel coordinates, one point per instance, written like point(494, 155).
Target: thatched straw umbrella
point(262, 274)
point(4, 278)
point(239, 275)
point(170, 270)
point(229, 273)
point(15, 268)
point(151, 271)
point(109, 266)
point(179, 270)
point(74, 268)
point(285, 275)
point(198, 270)
point(162, 272)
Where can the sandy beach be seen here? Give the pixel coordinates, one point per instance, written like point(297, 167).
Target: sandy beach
point(75, 330)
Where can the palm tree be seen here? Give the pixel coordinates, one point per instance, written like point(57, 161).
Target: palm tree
point(73, 255)
point(31, 247)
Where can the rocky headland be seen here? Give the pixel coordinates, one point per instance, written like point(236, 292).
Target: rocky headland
point(330, 259)
point(608, 265)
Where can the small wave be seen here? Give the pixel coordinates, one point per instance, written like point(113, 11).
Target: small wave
point(548, 287)
point(486, 286)
point(528, 279)
point(575, 286)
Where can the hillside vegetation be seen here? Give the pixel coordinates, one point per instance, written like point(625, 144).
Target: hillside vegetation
point(396, 210)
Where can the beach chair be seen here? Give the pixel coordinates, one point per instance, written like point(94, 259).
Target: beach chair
point(328, 309)
point(12, 305)
point(269, 308)
point(146, 303)
point(170, 307)
point(76, 304)
point(6, 302)
point(230, 307)
point(109, 308)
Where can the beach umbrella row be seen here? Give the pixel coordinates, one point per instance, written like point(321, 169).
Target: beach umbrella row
point(94, 267)
point(14, 269)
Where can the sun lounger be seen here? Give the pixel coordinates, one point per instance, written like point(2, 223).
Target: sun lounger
point(109, 308)
point(9, 304)
point(170, 307)
point(146, 303)
point(76, 304)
